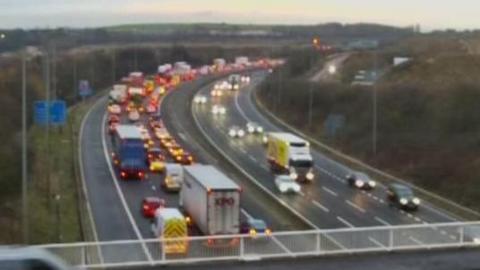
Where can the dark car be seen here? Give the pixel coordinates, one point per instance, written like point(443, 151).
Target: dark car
point(402, 197)
point(254, 226)
point(184, 159)
point(360, 180)
point(154, 153)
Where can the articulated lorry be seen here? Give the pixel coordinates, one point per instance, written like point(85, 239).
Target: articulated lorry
point(290, 154)
point(211, 200)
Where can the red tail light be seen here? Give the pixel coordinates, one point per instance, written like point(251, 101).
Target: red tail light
point(140, 174)
point(146, 207)
point(123, 174)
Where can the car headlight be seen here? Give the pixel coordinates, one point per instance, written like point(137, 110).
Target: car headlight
point(250, 129)
point(476, 240)
point(260, 129)
point(359, 183)
point(296, 188)
point(309, 176)
point(372, 183)
point(223, 110)
point(232, 133)
point(241, 133)
point(282, 188)
point(265, 139)
point(403, 201)
point(293, 175)
point(416, 201)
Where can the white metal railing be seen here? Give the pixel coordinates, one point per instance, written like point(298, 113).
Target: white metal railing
point(280, 244)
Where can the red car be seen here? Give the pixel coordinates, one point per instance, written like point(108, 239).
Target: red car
point(150, 205)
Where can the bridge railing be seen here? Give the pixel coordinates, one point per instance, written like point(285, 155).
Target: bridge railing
point(261, 246)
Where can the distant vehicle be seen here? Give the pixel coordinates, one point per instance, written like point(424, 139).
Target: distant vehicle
point(133, 116)
point(360, 180)
point(136, 78)
point(402, 197)
point(254, 227)
point(200, 99)
point(170, 224)
point(173, 177)
point(132, 91)
point(129, 152)
point(242, 60)
point(162, 133)
point(234, 80)
point(286, 184)
point(290, 154)
point(216, 92)
point(150, 205)
point(154, 124)
point(30, 258)
point(218, 110)
point(115, 109)
point(253, 127)
point(151, 108)
point(236, 132)
point(119, 93)
point(154, 153)
point(212, 200)
point(185, 158)
point(113, 118)
point(244, 79)
point(175, 150)
point(219, 64)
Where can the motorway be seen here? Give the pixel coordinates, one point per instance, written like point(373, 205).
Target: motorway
point(325, 204)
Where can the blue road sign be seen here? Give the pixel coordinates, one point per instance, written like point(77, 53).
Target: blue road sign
point(58, 112)
point(84, 88)
point(40, 112)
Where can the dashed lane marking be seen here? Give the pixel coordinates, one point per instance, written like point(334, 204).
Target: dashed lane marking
point(319, 205)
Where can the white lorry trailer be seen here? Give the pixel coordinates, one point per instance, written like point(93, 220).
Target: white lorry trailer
point(211, 200)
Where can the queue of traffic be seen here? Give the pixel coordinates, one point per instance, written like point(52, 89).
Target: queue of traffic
point(142, 146)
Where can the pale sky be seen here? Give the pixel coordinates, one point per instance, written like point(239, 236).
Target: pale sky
point(430, 14)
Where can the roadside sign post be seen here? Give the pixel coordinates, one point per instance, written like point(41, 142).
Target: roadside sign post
point(84, 89)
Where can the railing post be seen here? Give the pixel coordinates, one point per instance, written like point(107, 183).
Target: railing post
point(163, 249)
point(462, 235)
point(84, 258)
point(242, 247)
point(390, 239)
point(319, 243)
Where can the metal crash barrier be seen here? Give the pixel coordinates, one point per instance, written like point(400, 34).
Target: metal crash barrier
point(276, 245)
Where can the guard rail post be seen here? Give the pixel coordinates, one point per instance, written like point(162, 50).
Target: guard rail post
point(319, 242)
point(390, 238)
point(242, 247)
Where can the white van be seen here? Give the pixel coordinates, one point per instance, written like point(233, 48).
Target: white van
point(173, 177)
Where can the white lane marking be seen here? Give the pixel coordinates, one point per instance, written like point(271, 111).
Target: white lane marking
point(242, 150)
point(381, 200)
point(418, 242)
point(240, 110)
point(355, 206)
point(373, 240)
point(345, 222)
point(442, 232)
point(418, 219)
point(281, 245)
point(120, 193)
point(252, 158)
point(245, 213)
point(426, 205)
point(330, 191)
point(182, 136)
point(153, 187)
point(82, 177)
point(409, 215)
point(382, 221)
point(319, 205)
point(301, 193)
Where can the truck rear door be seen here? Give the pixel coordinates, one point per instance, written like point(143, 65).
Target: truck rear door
point(224, 212)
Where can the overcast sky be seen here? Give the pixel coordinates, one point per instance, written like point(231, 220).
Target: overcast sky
point(430, 14)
